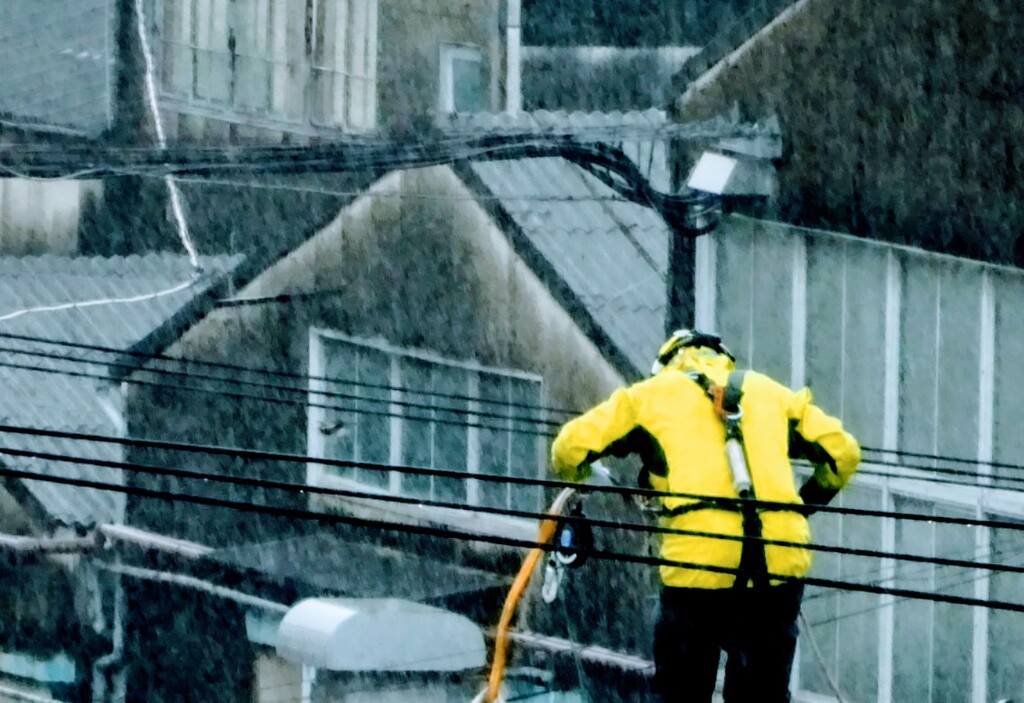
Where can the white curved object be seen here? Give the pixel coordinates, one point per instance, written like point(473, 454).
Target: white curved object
point(379, 634)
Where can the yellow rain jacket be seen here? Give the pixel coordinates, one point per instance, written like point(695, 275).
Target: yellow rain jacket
point(670, 421)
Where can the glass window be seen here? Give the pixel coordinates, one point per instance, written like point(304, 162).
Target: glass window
point(866, 272)
point(344, 62)
point(275, 57)
point(959, 359)
point(932, 639)
point(1008, 440)
point(1006, 629)
point(387, 406)
point(463, 86)
point(754, 296)
point(844, 624)
point(356, 421)
point(857, 619)
point(772, 301)
point(918, 347)
point(825, 300)
point(846, 299)
point(940, 357)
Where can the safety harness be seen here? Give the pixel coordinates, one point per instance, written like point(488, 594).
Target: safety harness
point(753, 567)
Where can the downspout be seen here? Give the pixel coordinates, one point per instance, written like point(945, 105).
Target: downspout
point(103, 667)
point(513, 58)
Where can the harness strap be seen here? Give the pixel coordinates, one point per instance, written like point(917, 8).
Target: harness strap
point(753, 566)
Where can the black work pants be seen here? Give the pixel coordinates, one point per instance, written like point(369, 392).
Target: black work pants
point(756, 627)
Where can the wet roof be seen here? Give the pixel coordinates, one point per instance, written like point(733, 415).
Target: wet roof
point(357, 569)
point(604, 257)
point(71, 390)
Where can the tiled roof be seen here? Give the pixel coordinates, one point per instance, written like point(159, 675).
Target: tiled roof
point(45, 396)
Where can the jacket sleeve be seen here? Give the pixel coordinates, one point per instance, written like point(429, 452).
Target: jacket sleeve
point(587, 437)
point(821, 439)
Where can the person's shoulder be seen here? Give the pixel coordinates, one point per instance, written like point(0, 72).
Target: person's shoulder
point(664, 379)
point(763, 382)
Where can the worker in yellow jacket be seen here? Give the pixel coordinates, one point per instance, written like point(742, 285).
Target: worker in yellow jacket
point(678, 422)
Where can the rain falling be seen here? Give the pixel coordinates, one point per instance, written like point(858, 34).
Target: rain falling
point(479, 351)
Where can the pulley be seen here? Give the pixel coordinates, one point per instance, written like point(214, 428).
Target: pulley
point(574, 540)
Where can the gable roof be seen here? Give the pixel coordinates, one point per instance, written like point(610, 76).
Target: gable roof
point(72, 390)
point(604, 258)
point(735, 38)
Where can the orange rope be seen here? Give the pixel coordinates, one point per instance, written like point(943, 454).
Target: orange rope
point(515, 594)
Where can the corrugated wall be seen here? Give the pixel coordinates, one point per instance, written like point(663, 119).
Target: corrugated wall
point(917, 352)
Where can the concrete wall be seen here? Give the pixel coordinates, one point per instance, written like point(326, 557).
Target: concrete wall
point(409, 37)
point(57, 60)
point(42, 217)
point(414, 262)
point(408, 68)
point(900, 122)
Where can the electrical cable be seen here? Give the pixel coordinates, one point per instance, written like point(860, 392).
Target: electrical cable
point(462, 535)
point(715, 502)
point(990, 480)
point(566, 412)
point(293, 403)
point(303, 489)
point(510, 419)
point(604, 161)
point(186, 361)
point(875, 608)
point(305, 392)
point(161, 138)
point(75, 305)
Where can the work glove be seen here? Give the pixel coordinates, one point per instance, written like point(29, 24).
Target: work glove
point(814, 494)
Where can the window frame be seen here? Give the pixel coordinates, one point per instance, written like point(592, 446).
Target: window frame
point(449, 53)
point(316, 475)
point(981, 500)
point(180, 93)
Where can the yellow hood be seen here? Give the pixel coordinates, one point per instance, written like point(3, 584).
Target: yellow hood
point(703, 360)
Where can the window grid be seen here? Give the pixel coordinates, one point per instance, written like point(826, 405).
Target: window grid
point(508, 446)
point(297, 61)
point(957, 307)
point(454, 93)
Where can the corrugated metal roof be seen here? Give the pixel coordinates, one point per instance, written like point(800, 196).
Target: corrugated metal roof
point(44, 396)
point(611, 253)
point(58, 59)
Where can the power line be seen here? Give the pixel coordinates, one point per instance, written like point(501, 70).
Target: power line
point(709, 501)
point(978, 483)
point(303, 489)
point(402, 195)
point(462, 535)
point(287, 389)
point(875, 608)
point(294, 403)
point(511, 420)
point(389, 402)
point(305, 378)
point(603, 161)
point(565, 412)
